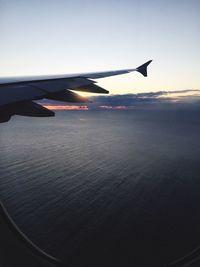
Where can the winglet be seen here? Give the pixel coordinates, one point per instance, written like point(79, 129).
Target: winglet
point(143, 68)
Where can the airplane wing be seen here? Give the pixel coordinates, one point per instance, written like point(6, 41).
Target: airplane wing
point(17, 93)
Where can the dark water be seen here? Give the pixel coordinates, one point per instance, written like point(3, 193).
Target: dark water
point(105, 188)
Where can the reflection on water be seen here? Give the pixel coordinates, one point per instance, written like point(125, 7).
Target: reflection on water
point(105, 188)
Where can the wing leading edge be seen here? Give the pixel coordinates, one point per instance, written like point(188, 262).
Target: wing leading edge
point(17, 93)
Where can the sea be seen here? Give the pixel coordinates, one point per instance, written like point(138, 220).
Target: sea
point(105, 187)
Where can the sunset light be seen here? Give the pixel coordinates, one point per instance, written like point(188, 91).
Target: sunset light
point(60, 107)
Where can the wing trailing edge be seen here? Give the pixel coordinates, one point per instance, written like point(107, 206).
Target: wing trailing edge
point(67, 96)
point(92, 88)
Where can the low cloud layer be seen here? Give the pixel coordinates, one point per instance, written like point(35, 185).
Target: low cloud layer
point(181, 98)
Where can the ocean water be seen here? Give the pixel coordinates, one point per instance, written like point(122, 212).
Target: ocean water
point(105, 188)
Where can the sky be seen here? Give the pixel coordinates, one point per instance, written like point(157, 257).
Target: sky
point(51, 37)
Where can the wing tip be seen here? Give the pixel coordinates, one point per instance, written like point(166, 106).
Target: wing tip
point(143, 68)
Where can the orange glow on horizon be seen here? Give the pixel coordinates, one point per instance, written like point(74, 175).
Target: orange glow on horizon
point(62, 107)
point(73, 107)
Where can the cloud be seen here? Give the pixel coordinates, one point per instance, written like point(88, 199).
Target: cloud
point(181, 98)
point(148, 99)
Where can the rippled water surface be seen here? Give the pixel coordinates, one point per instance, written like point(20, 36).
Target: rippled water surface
point(105, 188)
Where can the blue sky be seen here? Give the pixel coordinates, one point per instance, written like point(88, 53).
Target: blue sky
point(45, 37)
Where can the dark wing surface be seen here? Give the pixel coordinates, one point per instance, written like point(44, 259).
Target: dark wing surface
point(17, 94)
